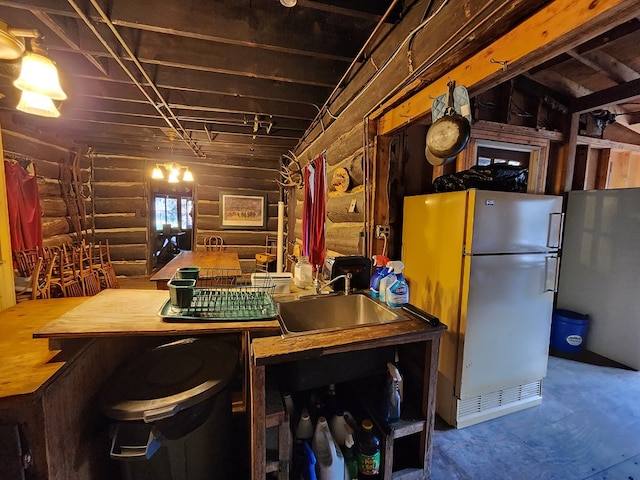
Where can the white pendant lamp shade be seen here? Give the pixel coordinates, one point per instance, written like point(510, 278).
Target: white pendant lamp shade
point(173, 178)
point(187, 176)
point(288, 3)
point(157, 173)
point(39, 75)
point(37, 104)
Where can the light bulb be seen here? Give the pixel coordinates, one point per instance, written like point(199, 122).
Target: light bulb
point(157, 173)
point(37, 104)
point(173, 177)
point(39, 75)
point(188, 176)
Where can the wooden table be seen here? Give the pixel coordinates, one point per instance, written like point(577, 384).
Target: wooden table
point(48, 397)
point(27, 364)
point(124, 312)
point(195, 258)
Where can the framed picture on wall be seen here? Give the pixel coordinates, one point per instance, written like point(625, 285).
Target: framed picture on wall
point(243, 211)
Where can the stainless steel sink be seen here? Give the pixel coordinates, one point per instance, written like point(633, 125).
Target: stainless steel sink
point(324, 313)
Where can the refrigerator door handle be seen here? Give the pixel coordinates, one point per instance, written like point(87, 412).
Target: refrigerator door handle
point(552, 273)
point(554, 235)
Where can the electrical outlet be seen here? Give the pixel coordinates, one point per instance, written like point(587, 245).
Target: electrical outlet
point(383, 231)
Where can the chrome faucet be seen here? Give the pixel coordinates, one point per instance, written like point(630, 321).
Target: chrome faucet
point(318, 285)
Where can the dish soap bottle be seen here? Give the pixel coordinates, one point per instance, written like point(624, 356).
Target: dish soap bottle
point(397, 293)
point(380, 263)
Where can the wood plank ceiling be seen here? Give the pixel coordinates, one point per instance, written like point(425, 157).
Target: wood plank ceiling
point(245, 78)
point(241, 78)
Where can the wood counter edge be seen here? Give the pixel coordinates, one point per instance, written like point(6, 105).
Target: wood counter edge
point(278, 349)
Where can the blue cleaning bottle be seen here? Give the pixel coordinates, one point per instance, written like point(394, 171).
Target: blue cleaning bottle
point(380, 262)
point(397, 291)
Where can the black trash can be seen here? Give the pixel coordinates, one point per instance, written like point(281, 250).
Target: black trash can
point(172, 415)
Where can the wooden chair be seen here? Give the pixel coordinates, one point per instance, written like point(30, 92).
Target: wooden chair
point(25, 260)
point(86, 273)
point(44, 283)
point(213, 243)
point(266, 261)
point(102, 262)
point(30, 290)
point(66, 277)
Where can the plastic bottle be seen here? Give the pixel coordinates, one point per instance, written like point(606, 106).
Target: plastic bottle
point(304, 429)
point(350, 462)
point(303, 273)
point(309, 468)
point(380, 262)
point(392, 395)
point(397, 293)
point(387, 280)
point(329, 458)
point(339, 428)
point(368, 452)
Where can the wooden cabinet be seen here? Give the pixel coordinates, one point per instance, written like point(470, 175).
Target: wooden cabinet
point(355, 350)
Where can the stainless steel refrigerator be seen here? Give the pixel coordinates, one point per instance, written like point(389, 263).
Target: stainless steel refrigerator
point(486, 264)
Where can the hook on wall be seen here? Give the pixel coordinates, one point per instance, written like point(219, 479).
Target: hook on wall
point(504, 63)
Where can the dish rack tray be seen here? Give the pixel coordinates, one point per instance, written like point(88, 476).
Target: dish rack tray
point(221, 295)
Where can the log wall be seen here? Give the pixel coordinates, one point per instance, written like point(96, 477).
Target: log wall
point(123, 192)
point(52, 161)
point(115, 193)
point(341, 134)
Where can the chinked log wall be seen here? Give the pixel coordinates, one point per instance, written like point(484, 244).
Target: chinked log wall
point(369, 86)
point(122, 206)
point(58, 224)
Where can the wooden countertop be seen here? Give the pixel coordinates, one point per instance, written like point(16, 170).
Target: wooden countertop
point(27, 363)
point(197, 258)
point(124, 312)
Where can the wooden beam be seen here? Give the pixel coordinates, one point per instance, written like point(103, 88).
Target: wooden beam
point(625, 92)
point(561, 25)
point(605, 63)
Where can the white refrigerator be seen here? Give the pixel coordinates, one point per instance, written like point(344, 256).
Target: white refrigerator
point(486, 264)
point(600, 269)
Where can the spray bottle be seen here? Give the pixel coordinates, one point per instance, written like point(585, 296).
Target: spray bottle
point(387, 279)
point(392, 395)
point(397, 293)
point(380, 263)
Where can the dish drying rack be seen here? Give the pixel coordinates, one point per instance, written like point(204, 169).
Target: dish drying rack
point(223, 295)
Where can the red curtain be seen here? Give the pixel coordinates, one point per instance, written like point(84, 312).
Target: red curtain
point(23, 201)
point(314, 211)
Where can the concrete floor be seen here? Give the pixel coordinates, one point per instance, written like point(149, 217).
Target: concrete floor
point(588, 427)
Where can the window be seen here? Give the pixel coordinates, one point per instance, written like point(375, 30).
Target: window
point(173, 210)
point(496, 156)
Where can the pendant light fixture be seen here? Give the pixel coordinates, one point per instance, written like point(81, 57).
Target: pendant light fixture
point(39, 75)
point(172, 172)
point(288, 3)
point(38, 78)
point(37, 104)
point(11, 47)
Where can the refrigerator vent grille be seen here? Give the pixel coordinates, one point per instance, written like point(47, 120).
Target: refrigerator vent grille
point(499, 399)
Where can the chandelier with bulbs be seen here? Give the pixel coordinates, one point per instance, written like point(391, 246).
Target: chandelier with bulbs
point(38, 79)
point(171, 172)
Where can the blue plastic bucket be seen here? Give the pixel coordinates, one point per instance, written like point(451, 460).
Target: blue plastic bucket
point(568, 330)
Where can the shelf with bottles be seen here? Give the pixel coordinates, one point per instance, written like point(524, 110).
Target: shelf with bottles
point(355, 400)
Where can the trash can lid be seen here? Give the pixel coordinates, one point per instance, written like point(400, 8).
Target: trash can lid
point(169, 378)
